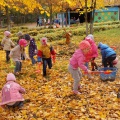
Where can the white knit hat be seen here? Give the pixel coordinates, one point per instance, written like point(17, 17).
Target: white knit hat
point(43, 40)
point(11, 77)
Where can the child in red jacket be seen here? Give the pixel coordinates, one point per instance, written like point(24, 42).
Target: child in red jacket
point(44, 55)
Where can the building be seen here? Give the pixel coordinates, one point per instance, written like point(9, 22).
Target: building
point(110, 13)
point(107, 14)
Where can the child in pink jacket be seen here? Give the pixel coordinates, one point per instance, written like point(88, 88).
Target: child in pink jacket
point(94, 53)
point(78, 61)
point(12, 93)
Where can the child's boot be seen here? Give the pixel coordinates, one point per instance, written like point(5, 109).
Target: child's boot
point(76, 92)
point(79, 86)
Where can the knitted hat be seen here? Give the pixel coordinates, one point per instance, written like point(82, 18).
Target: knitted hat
point(27, 37)
point(23, 42)
point(91, 36)
point(84, 44)
point(89, 40)
point(7, 33)
point(11, 77)
point(44, 41)
point(19, 34)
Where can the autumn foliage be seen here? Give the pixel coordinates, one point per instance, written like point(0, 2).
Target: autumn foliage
point(51, 97)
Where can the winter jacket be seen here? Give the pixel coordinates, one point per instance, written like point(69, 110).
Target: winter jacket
point(32, 47)
point(94, 50)
point(12, 92)
point(7, 43)
point(16, 52)
point(106, 51)
point(46, 51)
point(78, 60)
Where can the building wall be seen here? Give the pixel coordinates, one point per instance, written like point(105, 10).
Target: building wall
point(109, 14)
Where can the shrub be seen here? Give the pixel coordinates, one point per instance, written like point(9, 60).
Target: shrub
point(33, 33)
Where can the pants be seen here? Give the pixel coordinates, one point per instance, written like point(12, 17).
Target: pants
point(109, 61)
point(33, 60)
point(18, 66)
point(76, 75)
point(46, 61)
point(93, 64)
point(17, 104)
point(7, 56)
point(22, 57)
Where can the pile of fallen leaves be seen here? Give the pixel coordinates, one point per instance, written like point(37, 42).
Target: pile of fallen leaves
point(51, 97)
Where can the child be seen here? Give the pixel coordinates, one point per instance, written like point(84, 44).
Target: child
point(15, 54)
point(94, 52)
point(12, 93)
point(45, 53)
point(108, 55)
point(32, 50)
point(7, 44)
point(77, 61)
point(20, 36)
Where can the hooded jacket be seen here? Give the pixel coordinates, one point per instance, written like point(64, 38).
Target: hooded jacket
point(106, 51)
point(78, 60)
point(11, 92)
point(94, 50)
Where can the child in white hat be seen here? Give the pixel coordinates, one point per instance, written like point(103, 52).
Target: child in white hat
point(12, 93)
point(45, 53)
point(7, 44)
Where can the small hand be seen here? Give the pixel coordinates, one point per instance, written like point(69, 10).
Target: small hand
point(27, 58)
point(35, 52)
point(89, 71)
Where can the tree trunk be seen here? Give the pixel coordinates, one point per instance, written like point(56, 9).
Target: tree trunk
point(66, 18)
point(51, 15)
point(86, 21)
point(62, 15)
point(92, 16)
point(8, 17)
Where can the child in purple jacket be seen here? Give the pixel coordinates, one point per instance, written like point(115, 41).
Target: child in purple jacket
point(12, 93)
point(78, 61)
point(32, 50)
point(32, 47)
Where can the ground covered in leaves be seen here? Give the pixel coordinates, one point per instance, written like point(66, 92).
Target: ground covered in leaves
point(51, 97)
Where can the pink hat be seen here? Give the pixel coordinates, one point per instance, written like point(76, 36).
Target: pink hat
point(89, 40)
point(22, 42)
point(84, 44)
point(11, 77)
point(7, 33)
point(115, 61)
point(44, 41)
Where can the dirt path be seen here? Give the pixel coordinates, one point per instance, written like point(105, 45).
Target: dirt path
point(30, 25)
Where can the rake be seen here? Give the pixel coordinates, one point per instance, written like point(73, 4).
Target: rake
point(98, 72)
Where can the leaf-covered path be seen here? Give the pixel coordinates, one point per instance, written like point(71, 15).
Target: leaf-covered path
point(51, 98)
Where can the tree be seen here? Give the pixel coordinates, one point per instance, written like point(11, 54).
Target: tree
point(53, 7)
point(22, 6)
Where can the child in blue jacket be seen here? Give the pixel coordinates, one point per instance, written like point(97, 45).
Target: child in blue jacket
point(108, 55)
